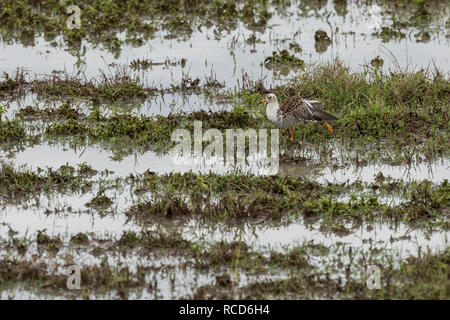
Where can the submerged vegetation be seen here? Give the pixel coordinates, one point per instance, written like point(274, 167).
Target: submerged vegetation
point(114, 89)
point(422, 277)
point(19, 183)
point(418, 278)
point(101, 21)
point(237, 197)
point(283, 59)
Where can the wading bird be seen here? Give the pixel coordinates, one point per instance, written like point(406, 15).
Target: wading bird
point(294, 110)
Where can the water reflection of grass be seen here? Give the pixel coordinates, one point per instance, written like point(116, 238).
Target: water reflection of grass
point(303, 271)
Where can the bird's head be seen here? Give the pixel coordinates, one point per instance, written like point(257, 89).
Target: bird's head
point(270, 98)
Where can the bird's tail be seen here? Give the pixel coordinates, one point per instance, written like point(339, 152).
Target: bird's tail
point(321, 115)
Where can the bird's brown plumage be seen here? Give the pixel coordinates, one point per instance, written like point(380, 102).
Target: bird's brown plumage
point(295, 109)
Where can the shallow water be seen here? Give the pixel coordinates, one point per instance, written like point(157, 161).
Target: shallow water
point(395, 241)
point(100, 160)
point(231, 60)
point(229, 56)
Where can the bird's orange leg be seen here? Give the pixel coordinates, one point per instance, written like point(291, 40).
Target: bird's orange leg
point(292, 133)
point(329, 127)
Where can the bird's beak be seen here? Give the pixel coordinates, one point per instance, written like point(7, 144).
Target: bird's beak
point(263, 101)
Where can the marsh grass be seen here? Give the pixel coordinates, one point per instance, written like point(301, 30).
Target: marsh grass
point(100, 201)
point(403, 112)
point(18, 183)
point(12, 131)
point(12, 85)
point(407, 112)
point(114, 87)
point(421, 277)
point(406, 109)
point(26, 20)
point(237, 197)
point(133, 131)
point(97, 278)
point(100, 22)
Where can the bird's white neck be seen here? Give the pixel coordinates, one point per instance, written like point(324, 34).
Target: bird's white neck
point(272, 111)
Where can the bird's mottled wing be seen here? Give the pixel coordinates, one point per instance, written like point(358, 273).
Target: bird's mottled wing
point(295, 108)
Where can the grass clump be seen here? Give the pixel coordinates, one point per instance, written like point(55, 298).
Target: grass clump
point(12, 131)
point(154, 241)
point(79, 239)
point(236, 206)
point(63, 112)
point(281, 58)
point(143, 130)
point(387, 34)
point(427, 202)
point(403, 109)
point(49, 243)
point(100, 201)
point(117, 87)
point(13, 85)
point(94, 279)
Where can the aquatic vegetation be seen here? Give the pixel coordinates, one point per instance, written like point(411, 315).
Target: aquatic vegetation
point(281, 58)
point(387, 34)
point(13, 85)
point(65, 111)
point(403, 108)
point(143, 64)
point(49, 243)
point(114, 88)
point(418, 278)
point(408, 110)
point(178, 18)
point(11, 131)
point(422, 37)
point(241, 197)
point(377, 62)
point(38, 275)
point(79, 239)
point(323, 41)
point(321, 36)
point(100, 201)
point(17, 183)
